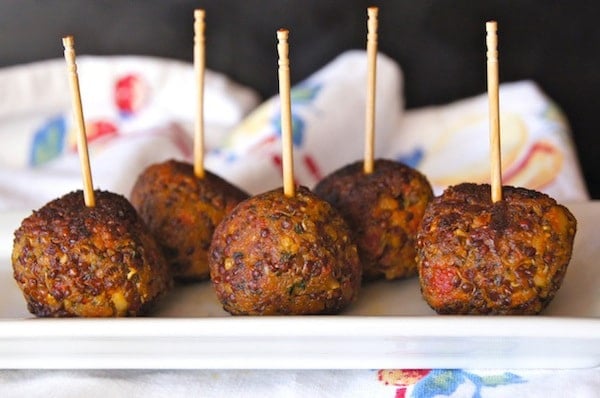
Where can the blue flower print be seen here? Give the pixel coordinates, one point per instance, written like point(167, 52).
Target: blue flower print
point(446, 382)
point(301, 95)
point(48, 141)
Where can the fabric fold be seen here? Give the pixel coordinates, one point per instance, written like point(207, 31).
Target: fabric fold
point(328, 117)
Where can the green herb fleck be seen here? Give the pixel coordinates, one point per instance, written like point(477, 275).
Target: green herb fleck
point(297, 287)
point(285, 257)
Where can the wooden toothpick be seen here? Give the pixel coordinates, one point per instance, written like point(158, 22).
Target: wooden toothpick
point(371, 83)
point(494, 110)
point(199, 68)
point(286, 112)
point(88, 186)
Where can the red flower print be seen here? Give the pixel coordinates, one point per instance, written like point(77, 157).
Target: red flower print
point(94, 130)
point(131, 93)
point(100, 128)
point(313, 167)
point(402, 378)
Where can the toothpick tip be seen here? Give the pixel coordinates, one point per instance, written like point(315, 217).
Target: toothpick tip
point(68, 41)
point(282, 34)
point(491, 26)
point(199, 13)
point(372, 11)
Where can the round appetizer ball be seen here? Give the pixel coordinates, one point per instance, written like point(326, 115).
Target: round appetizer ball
point(479, 257)
point(284, 255)
point(182, 212)
point(101, 261)
point(383, 209)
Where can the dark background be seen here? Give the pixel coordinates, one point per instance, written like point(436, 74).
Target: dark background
point(440, 45)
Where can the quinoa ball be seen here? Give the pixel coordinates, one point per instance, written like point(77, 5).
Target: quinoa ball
point(182, 212)
point(101, 261)
point(284, 255)
point(383, 209)
point(480, 257)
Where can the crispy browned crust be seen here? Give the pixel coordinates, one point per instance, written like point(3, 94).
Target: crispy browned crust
point(182, 212)
point(383, 209)
point(284, 255)
point(510, 257)
point(73, 260)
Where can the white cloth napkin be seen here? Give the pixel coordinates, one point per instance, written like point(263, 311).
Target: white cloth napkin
point(138, 110)
point(450, 143)
point(426, 383)
point(141, 110)
point(328, 112)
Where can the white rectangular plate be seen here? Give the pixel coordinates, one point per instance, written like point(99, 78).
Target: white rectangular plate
point(390, 326)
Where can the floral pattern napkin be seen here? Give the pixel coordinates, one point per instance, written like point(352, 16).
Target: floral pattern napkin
point(389, 383)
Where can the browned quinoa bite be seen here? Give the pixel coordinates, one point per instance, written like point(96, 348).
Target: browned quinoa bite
point(101, 261)
point(383, 209)
point(182, 212)
point(480, 257)
point(284, 255)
